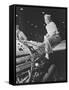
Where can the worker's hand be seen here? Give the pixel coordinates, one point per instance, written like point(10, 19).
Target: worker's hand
point(45, 38)
point(47, 35)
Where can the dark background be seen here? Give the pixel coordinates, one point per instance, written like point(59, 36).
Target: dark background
point(31, 21)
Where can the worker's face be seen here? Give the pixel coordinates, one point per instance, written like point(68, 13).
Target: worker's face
point(46, 20)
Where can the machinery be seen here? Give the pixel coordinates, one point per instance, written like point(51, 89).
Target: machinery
point(33, 67)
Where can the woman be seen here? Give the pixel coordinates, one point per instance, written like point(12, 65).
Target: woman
point(21, 47)
point(19, 34)
point(52, 37)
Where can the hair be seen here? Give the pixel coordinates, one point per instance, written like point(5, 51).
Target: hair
point(47, 16)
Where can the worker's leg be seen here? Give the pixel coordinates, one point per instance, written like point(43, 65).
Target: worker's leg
point(48, 48)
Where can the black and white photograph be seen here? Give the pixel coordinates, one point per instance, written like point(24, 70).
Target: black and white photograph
point(41, 44)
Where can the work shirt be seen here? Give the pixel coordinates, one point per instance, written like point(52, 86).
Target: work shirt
point(52, 34)
point(51, 29)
